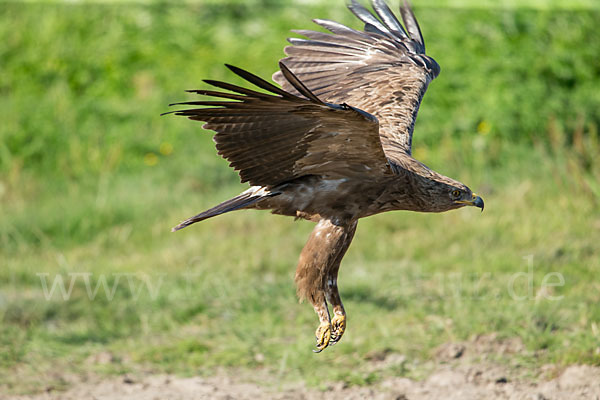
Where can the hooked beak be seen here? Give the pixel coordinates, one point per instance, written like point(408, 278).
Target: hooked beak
point(475, 201)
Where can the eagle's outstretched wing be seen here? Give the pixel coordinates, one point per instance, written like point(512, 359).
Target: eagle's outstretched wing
point(382, 70)
point(271, 138)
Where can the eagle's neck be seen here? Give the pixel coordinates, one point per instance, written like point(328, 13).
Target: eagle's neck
point(413, 187)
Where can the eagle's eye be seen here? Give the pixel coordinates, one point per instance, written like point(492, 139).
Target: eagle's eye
point(456, 193)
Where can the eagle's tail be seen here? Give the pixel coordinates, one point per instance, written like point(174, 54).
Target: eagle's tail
point(245, 199)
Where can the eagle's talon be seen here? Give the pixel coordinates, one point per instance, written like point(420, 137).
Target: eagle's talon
point(338, 327)
point(323, 336)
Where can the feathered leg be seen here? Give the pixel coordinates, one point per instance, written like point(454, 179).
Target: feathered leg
point(321, 256)
point(338, 323)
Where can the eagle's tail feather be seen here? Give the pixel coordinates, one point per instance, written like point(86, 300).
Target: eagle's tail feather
point(244, 199)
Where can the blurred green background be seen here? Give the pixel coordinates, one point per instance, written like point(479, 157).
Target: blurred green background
point(92, 179)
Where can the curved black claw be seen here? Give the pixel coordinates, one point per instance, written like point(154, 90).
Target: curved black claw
point(323, 336)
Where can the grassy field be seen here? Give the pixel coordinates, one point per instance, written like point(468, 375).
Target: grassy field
point(92, 180)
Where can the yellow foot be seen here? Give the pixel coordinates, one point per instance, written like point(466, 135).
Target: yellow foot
point(338, 327)
point(323, 335)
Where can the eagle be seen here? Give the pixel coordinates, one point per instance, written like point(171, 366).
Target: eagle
point(332, 144)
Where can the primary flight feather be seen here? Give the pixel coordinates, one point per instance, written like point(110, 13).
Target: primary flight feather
point(333, 144)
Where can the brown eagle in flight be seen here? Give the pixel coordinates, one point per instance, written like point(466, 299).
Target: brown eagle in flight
point(333, 144)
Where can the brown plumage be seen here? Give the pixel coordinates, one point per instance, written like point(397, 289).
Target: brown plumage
point(333, 144)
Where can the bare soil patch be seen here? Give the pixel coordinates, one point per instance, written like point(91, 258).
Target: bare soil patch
point(465, 371)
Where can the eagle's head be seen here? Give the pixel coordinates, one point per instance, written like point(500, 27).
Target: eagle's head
point(460, 195)
point(430, 191)
point(448, 194)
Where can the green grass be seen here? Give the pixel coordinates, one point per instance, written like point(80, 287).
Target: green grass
point(92, 179)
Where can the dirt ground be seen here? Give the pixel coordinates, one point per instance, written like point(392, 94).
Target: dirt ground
point(464, 371)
